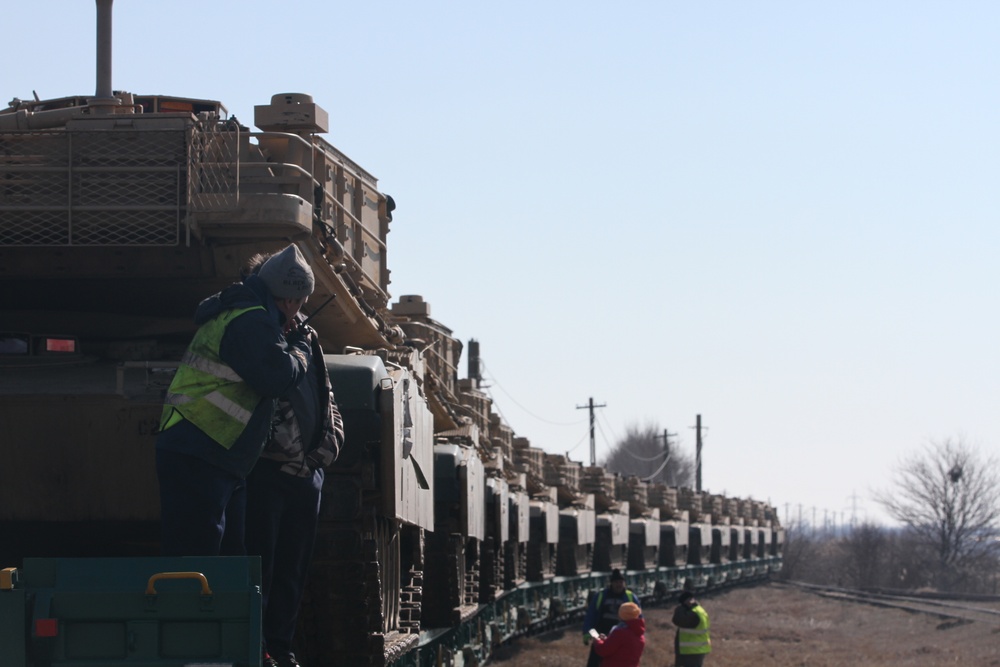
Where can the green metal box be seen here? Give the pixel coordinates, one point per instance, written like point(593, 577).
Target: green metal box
point(140, 612)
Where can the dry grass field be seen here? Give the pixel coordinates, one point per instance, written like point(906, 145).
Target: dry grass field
point(777, 626)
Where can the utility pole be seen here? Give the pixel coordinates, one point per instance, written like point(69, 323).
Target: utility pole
point(666, 449)
point(697, 455)
point(854, 509)
point(593, 443)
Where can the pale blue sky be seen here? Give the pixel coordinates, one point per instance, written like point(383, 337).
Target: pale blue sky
point(779, 215)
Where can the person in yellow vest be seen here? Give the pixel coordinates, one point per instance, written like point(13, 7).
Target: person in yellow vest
point(692, 641)
point(220, 404)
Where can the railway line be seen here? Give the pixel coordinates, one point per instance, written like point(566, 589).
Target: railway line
point(550, 607)
point(952, 610)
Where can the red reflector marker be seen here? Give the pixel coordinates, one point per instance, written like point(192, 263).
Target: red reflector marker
point(60, 345)
point(46, 627)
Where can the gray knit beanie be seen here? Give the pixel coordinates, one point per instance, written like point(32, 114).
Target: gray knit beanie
point(287, 275)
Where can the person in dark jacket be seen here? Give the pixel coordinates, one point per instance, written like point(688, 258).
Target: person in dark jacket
point(623, 646)
point(284, 490)
point(220, 404)
point(602, 611)
point(692, 641)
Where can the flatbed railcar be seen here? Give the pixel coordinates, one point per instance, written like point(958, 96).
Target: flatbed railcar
point(442, 533)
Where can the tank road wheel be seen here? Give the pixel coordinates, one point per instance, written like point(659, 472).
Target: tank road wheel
point(515, 564)
point(387, 546)
point(343, 618)
point(445, 575)
point(351, 609)
point(490, 566)
point(411, 569)
point(331, 614)
point(397, 555)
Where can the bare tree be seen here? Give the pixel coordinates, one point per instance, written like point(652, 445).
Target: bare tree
point(801, 554)
point(865, 552)
point(642, 453)
point(912, 562)
point(949, 498)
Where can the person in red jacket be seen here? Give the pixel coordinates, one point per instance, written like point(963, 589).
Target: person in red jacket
point(623, 646)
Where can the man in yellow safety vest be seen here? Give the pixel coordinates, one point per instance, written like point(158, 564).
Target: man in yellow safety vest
point(692, 642)
point(219, 407)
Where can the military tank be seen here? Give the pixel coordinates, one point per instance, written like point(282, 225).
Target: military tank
point(442, 533)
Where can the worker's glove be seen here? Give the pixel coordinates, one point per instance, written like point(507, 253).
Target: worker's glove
point(587, 639)
point(299, 334)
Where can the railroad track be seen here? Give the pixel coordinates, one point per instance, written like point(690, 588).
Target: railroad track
point(952, 610)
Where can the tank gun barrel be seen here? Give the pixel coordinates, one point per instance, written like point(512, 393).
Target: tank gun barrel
point(104, 100)
point(104, 49)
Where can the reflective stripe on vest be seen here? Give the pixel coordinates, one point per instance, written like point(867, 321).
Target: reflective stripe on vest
point(612, 615)
point(693, 641)
point(206, 390)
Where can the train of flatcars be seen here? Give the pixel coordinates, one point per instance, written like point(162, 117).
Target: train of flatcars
point(442, 533)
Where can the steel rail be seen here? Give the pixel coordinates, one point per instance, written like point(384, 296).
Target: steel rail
point(951, 611)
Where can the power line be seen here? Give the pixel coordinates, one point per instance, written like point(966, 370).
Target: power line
point(658, 470)
point(666, 441)
point(602, 419)
point(496, 406)
point(494, 380)
point(583, 438)
point(640, 458)
point(600, 427)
